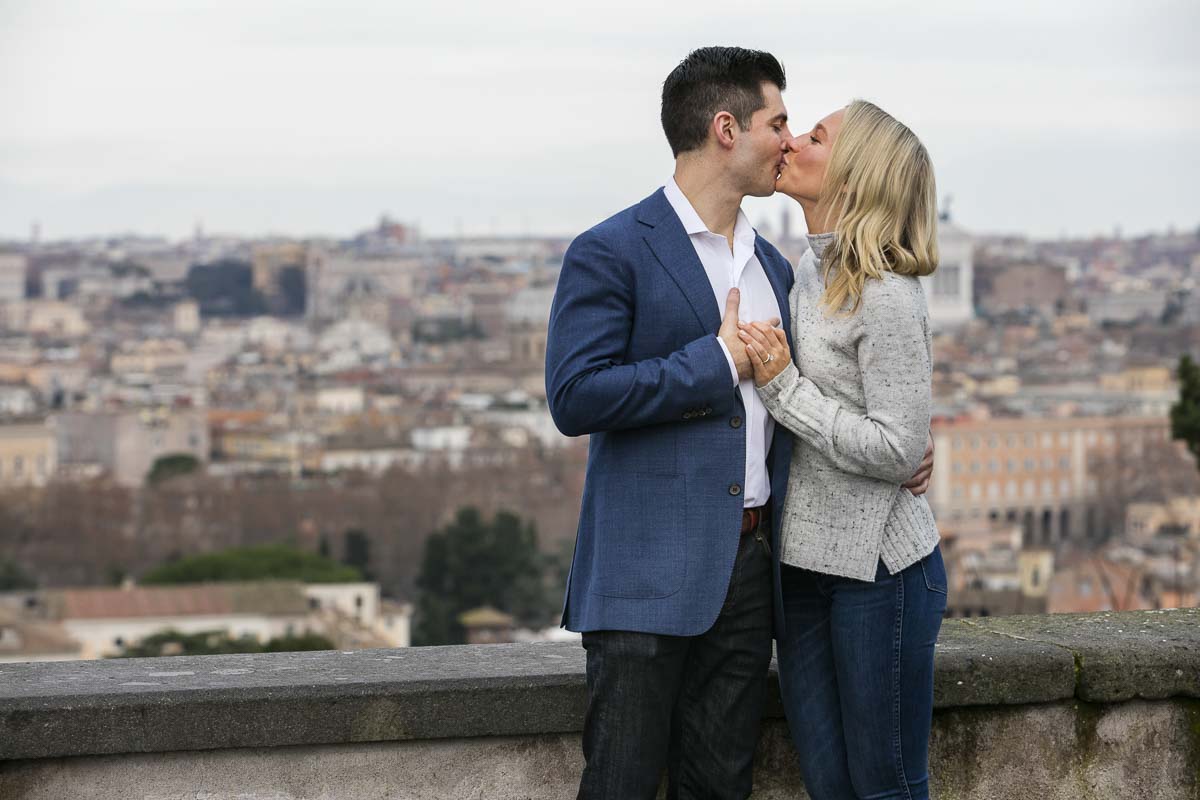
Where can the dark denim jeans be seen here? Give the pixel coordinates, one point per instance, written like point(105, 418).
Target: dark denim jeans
point(856, 673)
point(690, 705)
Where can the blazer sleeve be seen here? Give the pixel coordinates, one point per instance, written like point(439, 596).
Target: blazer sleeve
point(894, 360)
point(589, 386)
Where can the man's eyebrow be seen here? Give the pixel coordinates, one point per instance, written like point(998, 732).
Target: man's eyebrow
point(779, 117)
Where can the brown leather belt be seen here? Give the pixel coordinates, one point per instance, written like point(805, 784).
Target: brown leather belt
point(752, 517)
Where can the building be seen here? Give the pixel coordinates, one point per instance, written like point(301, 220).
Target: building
point(1179, 516)
point(991, 574)
point(106, 620)
point(949, 289)
point(337, 285)
point(126, 444)
point(13, 269)
point(30, 640)
point(47, 318)
point(185, 317)
point(1127, 305)
point(1099, 584)
point(99, 622)
point(271, 264)
point(1037, 473)
point(1027, 287)
point(28, 453)
point(487, 625)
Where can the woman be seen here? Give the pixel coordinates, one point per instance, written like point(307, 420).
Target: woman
point(862, 580)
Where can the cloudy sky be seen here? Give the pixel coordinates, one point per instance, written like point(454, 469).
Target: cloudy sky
point(300, 117)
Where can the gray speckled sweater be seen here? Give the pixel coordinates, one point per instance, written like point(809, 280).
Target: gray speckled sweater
point(856, 397)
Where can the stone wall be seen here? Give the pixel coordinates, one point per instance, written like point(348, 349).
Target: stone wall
point(1070, 706)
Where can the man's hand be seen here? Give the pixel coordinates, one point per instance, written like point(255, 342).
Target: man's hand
point(918, 484)
point(729, 335)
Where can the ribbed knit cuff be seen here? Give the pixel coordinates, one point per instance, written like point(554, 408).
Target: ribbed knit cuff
point(771, 390)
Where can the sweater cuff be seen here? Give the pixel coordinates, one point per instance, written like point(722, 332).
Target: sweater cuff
point(771, 390)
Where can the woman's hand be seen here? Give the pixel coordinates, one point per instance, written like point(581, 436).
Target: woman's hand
point(768, 350)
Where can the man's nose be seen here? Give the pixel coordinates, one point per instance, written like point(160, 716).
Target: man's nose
point(789, 143)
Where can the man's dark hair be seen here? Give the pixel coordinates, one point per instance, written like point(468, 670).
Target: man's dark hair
point(710, 80)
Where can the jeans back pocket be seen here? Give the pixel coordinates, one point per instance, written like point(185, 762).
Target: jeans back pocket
point(934, 570)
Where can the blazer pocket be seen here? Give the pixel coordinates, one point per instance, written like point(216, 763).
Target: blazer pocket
point(640, 535)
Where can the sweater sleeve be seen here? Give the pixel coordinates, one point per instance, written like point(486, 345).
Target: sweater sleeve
point(888, 441)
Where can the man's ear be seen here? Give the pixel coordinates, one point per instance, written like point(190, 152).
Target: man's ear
point(724, 128)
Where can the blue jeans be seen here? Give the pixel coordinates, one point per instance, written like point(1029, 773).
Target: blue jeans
point(856, 674)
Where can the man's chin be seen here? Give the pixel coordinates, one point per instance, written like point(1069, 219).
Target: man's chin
point(764, 191)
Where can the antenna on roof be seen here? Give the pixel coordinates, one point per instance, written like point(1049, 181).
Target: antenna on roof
point(944, 214)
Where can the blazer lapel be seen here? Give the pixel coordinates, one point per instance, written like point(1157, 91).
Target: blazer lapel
point(779, 284)
point(671, 246)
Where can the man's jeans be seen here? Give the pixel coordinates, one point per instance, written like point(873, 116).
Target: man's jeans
point(856, 673)
point(687, 704)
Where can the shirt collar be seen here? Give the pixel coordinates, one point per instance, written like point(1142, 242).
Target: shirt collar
point(743, 233)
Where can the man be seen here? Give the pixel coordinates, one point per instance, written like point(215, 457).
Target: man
point(671, 581)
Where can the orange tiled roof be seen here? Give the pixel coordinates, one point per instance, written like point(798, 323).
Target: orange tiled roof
point(257, 597)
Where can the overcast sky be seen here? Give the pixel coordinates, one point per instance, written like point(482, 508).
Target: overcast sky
point(297, 117)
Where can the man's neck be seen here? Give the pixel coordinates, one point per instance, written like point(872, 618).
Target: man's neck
point(716, 203)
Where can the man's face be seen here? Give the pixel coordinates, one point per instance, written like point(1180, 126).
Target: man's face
point(760, 150)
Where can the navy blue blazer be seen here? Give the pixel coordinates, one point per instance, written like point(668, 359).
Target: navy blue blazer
point(632, 359)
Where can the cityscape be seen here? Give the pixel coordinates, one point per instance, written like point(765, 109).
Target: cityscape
point(373, 403)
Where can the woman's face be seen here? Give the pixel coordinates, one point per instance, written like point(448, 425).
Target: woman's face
point(806, 158)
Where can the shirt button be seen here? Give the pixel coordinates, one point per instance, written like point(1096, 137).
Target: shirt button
point(735, 489)
point(736, 422)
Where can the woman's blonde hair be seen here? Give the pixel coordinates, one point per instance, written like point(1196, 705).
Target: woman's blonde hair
point(883, 199)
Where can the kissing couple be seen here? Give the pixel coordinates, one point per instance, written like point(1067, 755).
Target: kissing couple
point(759, 451)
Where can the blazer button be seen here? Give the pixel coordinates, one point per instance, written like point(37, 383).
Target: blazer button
point(736, 422)
point(735, 489)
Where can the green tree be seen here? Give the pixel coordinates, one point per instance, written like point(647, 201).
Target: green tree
point(13, 578)
point(206, 643)
point(472, 562)
point(268, 561)
point(1185, 414)
point(358, 552)
point(171, 465)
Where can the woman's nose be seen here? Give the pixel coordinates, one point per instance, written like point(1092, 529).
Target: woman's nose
point(791, 144)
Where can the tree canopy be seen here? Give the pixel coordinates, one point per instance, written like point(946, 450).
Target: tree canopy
point(262, 562)
point(473, 562)
point(1185, 414)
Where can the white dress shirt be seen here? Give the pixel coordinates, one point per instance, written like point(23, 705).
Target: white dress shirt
point(727, 269)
